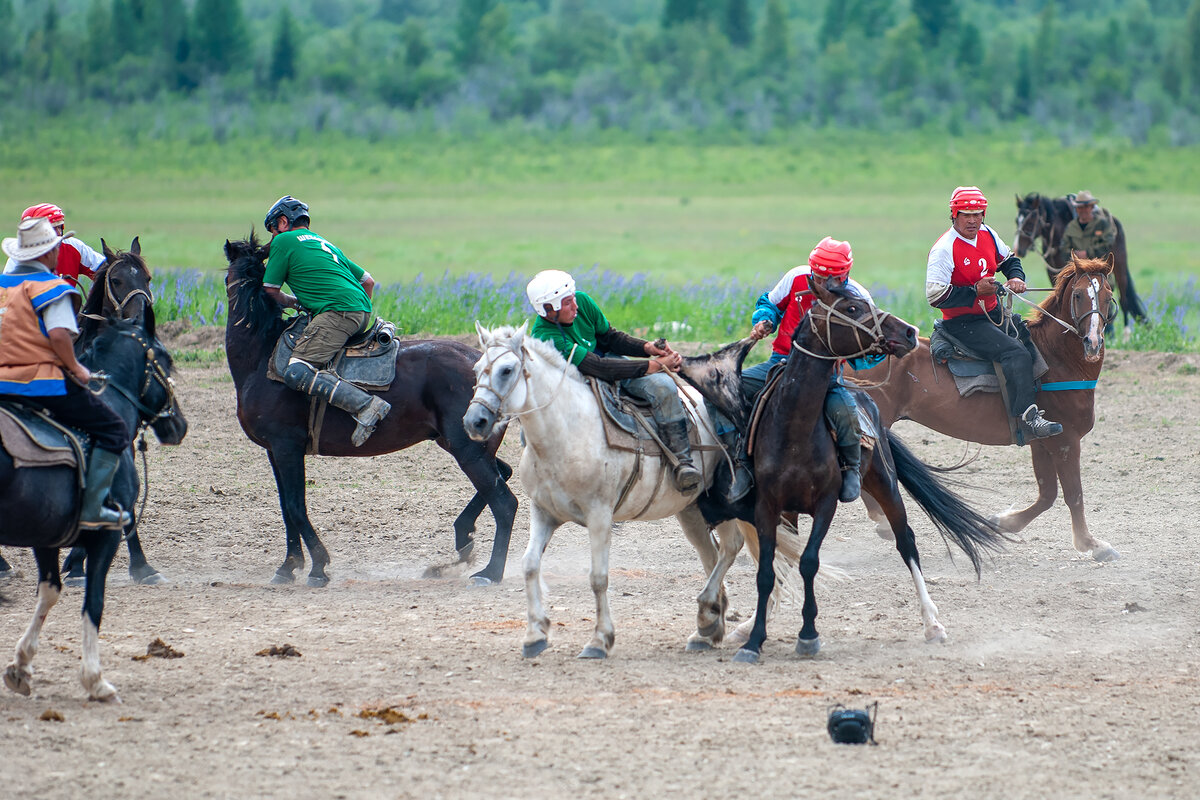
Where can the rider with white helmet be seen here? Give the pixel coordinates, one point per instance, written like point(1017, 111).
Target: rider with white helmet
point(571, 321)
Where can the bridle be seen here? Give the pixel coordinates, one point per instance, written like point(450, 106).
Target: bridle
point(1077, 318)
point(495, 408)
point(874, 345)
point(119, 305)
point(154, 372)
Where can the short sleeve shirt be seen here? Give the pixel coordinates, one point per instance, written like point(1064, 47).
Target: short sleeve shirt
point(578, 339)
point(318, 273)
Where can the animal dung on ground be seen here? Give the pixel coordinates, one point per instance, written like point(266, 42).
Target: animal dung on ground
point(280, 651)
point(50, 715)
point(159, 649)
point(389, 716)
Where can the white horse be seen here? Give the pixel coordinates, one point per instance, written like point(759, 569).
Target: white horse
point(570, 474)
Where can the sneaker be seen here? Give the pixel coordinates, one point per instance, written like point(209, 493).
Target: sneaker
point(1035, 427)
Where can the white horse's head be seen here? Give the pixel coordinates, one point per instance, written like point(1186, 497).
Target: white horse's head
point(500, 386)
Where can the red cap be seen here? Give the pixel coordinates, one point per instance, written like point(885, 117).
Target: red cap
point(47, 210)
point(967, 198)
point(831, 258)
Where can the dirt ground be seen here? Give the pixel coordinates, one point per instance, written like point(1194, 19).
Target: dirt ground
point(1062, 677)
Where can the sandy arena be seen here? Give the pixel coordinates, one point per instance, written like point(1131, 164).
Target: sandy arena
point(1062, 677)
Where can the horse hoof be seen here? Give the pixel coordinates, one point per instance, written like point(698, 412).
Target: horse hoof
point(464, 553)
point(153, 579)
point(105, 693)
point(318, 581)
point(698, 646)
point(808, 647)
point(283, 578)
point(7, 575)
point(534, 649)
point(1106, 554)
point(936, 635)
point(745, 656)
point(592, 653)
point(16, 680)
point(480, 580)
point(76, 581)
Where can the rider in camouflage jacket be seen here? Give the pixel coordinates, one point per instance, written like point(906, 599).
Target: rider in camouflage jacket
point(1092, 233)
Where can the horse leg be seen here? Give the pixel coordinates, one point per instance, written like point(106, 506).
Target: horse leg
point(766, 518)
point(541, 528)
point(72, 567)
point(883, 526)
point(101, 548)
point(287, 461)
point(18, 675)
point(808, 643)
point(490, 484)
point(1047, 479)
point(600, 536)
point(6, 570)
point(1067, 464)
point(712, 601)
point(139, 568)
point(464, 523)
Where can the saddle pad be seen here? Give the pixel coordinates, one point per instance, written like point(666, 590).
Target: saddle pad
point(367, 362)
point(33, 441)
point(980, 376)
point(622, 431)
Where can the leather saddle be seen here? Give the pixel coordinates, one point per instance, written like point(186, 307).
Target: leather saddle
point(972, 372)
point(368, 360)
point(33, 439)
point(628, 421)
point(868, 413)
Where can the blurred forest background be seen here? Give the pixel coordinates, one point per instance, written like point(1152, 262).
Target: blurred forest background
point(730, 69)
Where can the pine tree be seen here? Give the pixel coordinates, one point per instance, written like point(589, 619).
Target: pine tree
point(7, 34)
point(936, 17)
point(774, 37)
point(833, 24)
point(1191, 51)
point(222, 41)
point(416, 47)
point(283, 50)
point(482, 30)
point(737, 23)
point(678, 12)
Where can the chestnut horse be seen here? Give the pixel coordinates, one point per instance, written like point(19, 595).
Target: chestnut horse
point(1046, 218)
point(923, 391)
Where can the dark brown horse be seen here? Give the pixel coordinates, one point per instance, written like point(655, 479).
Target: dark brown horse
point(1046, 218)
point(795, 461)
point(924, 392)
point(433, 387)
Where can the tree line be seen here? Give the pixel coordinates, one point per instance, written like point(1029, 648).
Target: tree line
point(1073, 67)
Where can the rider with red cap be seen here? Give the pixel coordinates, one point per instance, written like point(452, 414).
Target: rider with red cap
point(783, 307)
point(960, 280)
point(74, 257)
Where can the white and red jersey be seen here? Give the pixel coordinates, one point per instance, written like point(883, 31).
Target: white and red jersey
point(792, 299)
point(958, 262)
point(75, 258)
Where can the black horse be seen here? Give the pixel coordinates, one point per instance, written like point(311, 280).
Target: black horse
point(795, 460)
point(120, 289)
point(39, 507)
point(1046, 218)
point(433, 387)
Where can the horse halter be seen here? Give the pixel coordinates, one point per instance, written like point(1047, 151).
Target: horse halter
point(153, 371)
point(1094, 293)
point(519, 352)
point(119, 305)
point(833, 316)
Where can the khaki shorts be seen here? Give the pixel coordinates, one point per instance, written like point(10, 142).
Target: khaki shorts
point(327, 334)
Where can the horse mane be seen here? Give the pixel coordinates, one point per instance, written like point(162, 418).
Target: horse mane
point(1058, 297)
point(542, 349)
point(249, 303)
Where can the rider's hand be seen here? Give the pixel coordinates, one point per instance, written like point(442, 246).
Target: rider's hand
point(669, 362)
point(81, 374)
point(986, 287)
point(1016, 285)
point(654, 349)
point(761, 330)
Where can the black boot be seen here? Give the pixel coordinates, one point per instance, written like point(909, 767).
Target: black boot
point(742, 480)
point(367, 409)
point(675, 437)
point(850, 457)
point(1033, 426)
point(102, 468)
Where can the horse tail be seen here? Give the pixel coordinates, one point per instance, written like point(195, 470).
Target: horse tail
point(1131, 302)
point(955, 520)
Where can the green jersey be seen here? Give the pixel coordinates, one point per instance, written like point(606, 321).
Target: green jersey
point(579, 335)
point(319, 274)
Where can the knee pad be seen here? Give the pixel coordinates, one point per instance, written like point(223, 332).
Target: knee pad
point(299, 375)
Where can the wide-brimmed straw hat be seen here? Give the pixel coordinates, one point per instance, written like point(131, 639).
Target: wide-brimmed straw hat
point(1085, 198)
point(35, 237)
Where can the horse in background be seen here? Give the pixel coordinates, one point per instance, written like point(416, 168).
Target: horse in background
point(139, 388)
point(924, 391)
point(795, 462)
point(1046, 218)
point(431, 392)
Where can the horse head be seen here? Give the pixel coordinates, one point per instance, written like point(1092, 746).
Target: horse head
point(139, 369)
point(500, 380)
point(1032, 217)
point(249, 304)
point(849, 326)
point(120, 290)
point(1083, 295)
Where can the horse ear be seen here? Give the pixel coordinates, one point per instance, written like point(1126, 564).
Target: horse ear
point(485, 335)
point(108, 254)
point(823, 294)
point(518, 339)
point(1018, 199)
point(136, 246)
point(1111, 261)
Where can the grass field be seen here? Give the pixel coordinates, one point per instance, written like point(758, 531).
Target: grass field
point(500, 209)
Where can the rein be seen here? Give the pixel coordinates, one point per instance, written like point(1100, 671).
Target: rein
point(832, 315)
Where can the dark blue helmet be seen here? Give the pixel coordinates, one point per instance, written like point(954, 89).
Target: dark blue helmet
point(286, 206)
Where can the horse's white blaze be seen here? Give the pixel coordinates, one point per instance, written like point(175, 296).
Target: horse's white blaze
point(934, 632)
point(93, 681)
point(1097, 320)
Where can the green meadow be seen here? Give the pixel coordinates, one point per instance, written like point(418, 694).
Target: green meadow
point(677, 212)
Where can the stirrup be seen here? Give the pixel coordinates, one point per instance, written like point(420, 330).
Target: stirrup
point(687, 477)
point(107, 519)
point(367, 419)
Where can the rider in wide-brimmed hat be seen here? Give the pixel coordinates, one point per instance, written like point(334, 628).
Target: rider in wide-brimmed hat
point(960, 280)
point(1092, 233)
point(38, 365)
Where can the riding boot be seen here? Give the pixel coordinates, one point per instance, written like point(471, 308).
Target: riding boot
point(675, 437)
point(102, 468)
point(850, 458)
point(367, 409)
point(742, 479)
point(1035, 427)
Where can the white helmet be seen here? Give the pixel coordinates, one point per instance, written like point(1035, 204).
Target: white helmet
point(549, 286)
